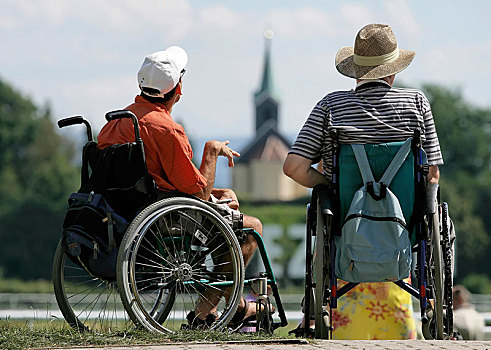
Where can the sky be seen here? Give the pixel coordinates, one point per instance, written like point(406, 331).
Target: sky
point(81, 57)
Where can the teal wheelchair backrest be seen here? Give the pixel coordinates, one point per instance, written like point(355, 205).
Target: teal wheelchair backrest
point(379, 157)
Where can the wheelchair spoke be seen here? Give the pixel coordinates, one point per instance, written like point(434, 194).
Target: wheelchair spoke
point(210, 253)
point(162, 244)
point(152, 251)
point(170, 237)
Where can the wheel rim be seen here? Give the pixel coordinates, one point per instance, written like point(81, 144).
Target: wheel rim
point(438, 274)
point(86, 302)
point(177, 259)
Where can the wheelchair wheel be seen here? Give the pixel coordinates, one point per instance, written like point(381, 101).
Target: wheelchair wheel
point(440, 277)
point(86, 302)
point(177, 255)
point(447, 252)
point(322, 277)
point(437, 277)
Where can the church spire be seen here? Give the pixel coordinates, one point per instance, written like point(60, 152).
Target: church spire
point(265, 98)
point(267, 83)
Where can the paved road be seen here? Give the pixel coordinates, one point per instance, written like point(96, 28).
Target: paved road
point(315, 345)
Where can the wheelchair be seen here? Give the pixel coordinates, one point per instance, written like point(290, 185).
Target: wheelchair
point(431, 242)
point(175, 253)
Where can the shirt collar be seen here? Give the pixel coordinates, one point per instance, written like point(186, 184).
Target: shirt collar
point(158, 105)
point(366, 83)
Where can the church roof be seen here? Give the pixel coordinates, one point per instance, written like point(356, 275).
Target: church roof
point(268, 145)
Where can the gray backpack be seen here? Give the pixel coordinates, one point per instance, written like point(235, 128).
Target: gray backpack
point(374, 245)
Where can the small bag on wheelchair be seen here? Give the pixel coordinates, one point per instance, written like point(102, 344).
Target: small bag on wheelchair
point(374, 245)
point(92, 231)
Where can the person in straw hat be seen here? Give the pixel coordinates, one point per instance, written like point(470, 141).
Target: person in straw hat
point(372, 112)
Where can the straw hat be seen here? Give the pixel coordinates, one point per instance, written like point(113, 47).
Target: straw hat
point(375, 55)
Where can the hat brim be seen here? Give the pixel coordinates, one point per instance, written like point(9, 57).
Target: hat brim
point(346, 66)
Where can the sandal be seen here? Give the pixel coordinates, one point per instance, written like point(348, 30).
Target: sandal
point(240, 319)
point(302, 332)
point(194, 322)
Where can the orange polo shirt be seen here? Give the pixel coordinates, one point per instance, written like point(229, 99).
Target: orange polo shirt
point(167, 150)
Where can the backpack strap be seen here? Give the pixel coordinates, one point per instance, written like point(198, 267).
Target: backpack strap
point(366, 173)
point(363, 165)
point(396, 163)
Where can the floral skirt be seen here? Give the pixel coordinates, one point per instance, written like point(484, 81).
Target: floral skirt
point(374, 311)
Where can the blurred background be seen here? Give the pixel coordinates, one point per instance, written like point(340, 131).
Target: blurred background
point(62, 58)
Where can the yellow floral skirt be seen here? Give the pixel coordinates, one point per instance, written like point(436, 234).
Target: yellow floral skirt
point(374, 311)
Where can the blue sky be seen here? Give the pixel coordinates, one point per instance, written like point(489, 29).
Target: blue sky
point(82, 56)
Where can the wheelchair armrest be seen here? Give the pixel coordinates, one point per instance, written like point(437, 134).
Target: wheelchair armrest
point(323, 193)
point(431, 198)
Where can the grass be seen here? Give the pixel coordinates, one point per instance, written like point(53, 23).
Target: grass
point(15, 285)
point(38, 334)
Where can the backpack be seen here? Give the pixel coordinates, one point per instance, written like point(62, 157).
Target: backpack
point(374, 245)
point(114, 187)
point(92, 232)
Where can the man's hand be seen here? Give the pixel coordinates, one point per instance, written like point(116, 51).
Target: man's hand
point(214, 149)
point(222, 150)
point(223, 194)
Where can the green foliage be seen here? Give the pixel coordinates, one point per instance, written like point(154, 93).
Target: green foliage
point(36, 177)
point(283, 214)
point(16, 285)
point(465, 137)
point(477, 283)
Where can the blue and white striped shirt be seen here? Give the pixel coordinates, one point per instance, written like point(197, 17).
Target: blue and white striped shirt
point(374, 112)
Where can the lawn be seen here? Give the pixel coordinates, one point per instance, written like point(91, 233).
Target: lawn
point(43, 334)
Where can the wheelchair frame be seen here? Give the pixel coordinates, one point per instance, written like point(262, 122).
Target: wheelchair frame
point(433, 264)
point(108, 303)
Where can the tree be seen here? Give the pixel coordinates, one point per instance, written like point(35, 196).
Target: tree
point(36, 177)
point(465, 137)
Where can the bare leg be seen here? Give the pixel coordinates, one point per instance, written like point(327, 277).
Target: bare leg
point(207, 304)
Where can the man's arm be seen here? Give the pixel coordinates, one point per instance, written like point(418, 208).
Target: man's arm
point(213, 149)
point(300, 170)
point(433, 174)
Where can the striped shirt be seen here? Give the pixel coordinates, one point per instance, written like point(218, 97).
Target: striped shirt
point(372, 113)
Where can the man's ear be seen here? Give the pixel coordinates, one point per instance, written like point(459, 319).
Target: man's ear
point(179, 88)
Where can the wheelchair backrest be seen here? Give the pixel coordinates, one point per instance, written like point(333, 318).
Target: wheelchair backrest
point(379, 157)
point(119, 173)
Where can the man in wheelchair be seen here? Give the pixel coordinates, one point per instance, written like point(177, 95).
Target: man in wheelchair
point(374, 112)
point(169, 156)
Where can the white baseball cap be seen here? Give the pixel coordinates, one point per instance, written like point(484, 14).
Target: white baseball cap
point(162, 70)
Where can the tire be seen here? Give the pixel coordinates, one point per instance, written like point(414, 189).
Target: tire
point(321, 275)
point(172, 255)
point(447, 252)
point(434, 329)
point(308, 301)
point(438, 277)
point(86, 302)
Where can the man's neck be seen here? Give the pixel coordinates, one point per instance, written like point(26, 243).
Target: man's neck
point(160, 101)
point(360, 82)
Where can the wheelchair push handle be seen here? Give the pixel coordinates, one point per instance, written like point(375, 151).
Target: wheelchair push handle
point(125, 114)
point(78, 119)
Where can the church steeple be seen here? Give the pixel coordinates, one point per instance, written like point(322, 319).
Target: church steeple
point(265, 99)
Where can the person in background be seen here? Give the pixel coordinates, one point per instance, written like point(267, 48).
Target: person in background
point(467, 321)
